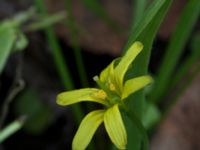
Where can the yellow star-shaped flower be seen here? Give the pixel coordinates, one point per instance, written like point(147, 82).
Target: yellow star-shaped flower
point(112, 93)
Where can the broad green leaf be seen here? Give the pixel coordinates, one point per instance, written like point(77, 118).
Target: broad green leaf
point(138, 10)
point(151, 116)
point(138, 130)
point(87, 94)
point(7, 40)
point(87, 129)
point(126, 61)
point(145, 32)
point(175, 48)
point(39, 114)
point(115, 127)
point(194, 46)
point(135, 84)
point(156, 8)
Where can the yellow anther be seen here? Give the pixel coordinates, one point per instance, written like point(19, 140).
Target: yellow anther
point(100, 94)
point(112, 87)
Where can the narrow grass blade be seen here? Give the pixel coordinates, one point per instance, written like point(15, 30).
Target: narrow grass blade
point(191, 64)
point(75, 45)
point(60, 63)
point(175, 48)
point(146, 36)
point(11, 129)
point(138, 10)
point(187, 64)
point(98, 9)
point(7, 40)
point(144, 31)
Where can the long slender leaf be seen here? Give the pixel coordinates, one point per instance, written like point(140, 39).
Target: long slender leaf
point(61, 66)
point(11, 129)
point(184, 27)
point(75, 45)
point(138, 9)
point(145, 32)
point(7, 40)
point(98, 9)
point(189, 65)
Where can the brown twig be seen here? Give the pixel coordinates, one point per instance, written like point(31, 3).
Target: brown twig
point(17, 85)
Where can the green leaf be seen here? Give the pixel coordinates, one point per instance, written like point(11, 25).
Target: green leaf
point(186, 65)
point(7, 40)
point(194, 46)
point(157, 9)
point(11, 129)
point(87, 129)
point(135, 131)
point(151, 116)
point(175, 48)
point(39, 115)
point(144, 32)
point(98, 9)
point(61, 66)
point(21, 42)
point(190, 62)
point(73, 28)
point(46, 21)
point(138, 10)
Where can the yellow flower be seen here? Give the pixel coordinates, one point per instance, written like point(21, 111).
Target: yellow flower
point(113, 90)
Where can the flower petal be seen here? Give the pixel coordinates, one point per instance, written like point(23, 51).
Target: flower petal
point(87, 94)
point(125, 62)
point(87, 129)
point(135, 84)
point(115, 127)
point(107, 73)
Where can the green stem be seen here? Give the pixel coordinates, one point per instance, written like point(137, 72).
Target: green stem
point(59, 60)
point(11, 129)
point(75, 44)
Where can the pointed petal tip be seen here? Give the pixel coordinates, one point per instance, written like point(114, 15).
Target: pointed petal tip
point(138, 45)
point(150, 79)
point(59, 99)
point(115, 127)
point(87, 129)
